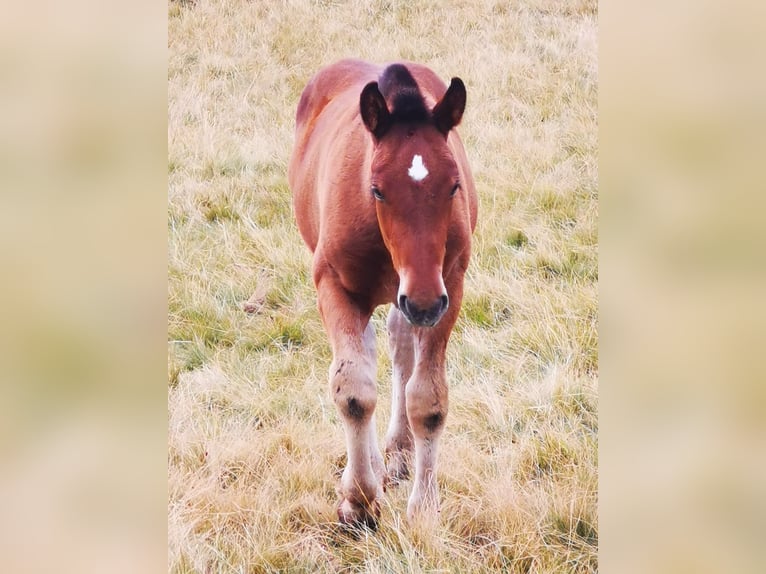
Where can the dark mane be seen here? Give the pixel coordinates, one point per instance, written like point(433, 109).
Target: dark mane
point(403, 95)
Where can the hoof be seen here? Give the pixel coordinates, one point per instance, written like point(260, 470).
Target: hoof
point(355, 515)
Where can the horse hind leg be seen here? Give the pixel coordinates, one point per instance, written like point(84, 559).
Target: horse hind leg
point(399, 442)
point(376, 458)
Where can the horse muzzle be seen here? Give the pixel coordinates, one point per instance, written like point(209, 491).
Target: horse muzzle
point(426, 316)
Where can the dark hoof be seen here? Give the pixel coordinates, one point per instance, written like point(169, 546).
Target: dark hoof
point(356, 516)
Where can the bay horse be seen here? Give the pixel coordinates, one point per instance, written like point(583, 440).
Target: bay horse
point(385, 200)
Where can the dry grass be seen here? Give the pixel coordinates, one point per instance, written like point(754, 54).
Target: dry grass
point(255, 445)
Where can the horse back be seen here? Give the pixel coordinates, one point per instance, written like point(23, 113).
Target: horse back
point(330, 144)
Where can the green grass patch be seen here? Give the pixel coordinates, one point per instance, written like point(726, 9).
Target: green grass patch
point(516, 238)
point(485, 310)
point(573, 265)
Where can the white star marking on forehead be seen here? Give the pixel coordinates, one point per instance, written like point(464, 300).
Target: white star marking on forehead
point(417, 170)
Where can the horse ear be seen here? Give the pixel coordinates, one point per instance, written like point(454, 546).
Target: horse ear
point(448, 112)
point(375, 114)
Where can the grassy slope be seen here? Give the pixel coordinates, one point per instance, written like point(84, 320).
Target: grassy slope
point(255, 446)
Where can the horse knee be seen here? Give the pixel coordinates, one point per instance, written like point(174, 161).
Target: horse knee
point(428, 423)
point(434, 421)
point(426, 414)
point(353, 392)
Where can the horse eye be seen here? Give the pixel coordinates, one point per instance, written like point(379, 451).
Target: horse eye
point(376, 192)
point(454, 190)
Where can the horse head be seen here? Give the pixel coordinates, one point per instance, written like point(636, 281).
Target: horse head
point(414, 182)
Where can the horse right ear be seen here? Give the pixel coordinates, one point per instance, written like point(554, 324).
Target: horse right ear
point(375, 114)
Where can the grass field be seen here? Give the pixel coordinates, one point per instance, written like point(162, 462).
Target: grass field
point(255, 445)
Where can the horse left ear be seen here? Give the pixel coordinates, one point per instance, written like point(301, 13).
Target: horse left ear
point(448, 112)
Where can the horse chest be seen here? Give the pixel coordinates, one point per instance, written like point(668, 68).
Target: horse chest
point(368, 274)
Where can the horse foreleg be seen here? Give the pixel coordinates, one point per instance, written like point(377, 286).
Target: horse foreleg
point(426, 398)
point(353, 390)
point(376, 458)
point(427, 402)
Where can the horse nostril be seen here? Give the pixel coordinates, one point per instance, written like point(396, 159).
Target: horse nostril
point(402, 302)
point(445, 302)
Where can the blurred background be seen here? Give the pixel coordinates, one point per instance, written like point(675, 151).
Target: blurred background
point(681, 287)
point(83, 258)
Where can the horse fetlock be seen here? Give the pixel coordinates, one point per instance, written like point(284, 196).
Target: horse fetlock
point(379, 468)
point(399, 449)
point(398, 463)
point(361, 492)
point(423, 503)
